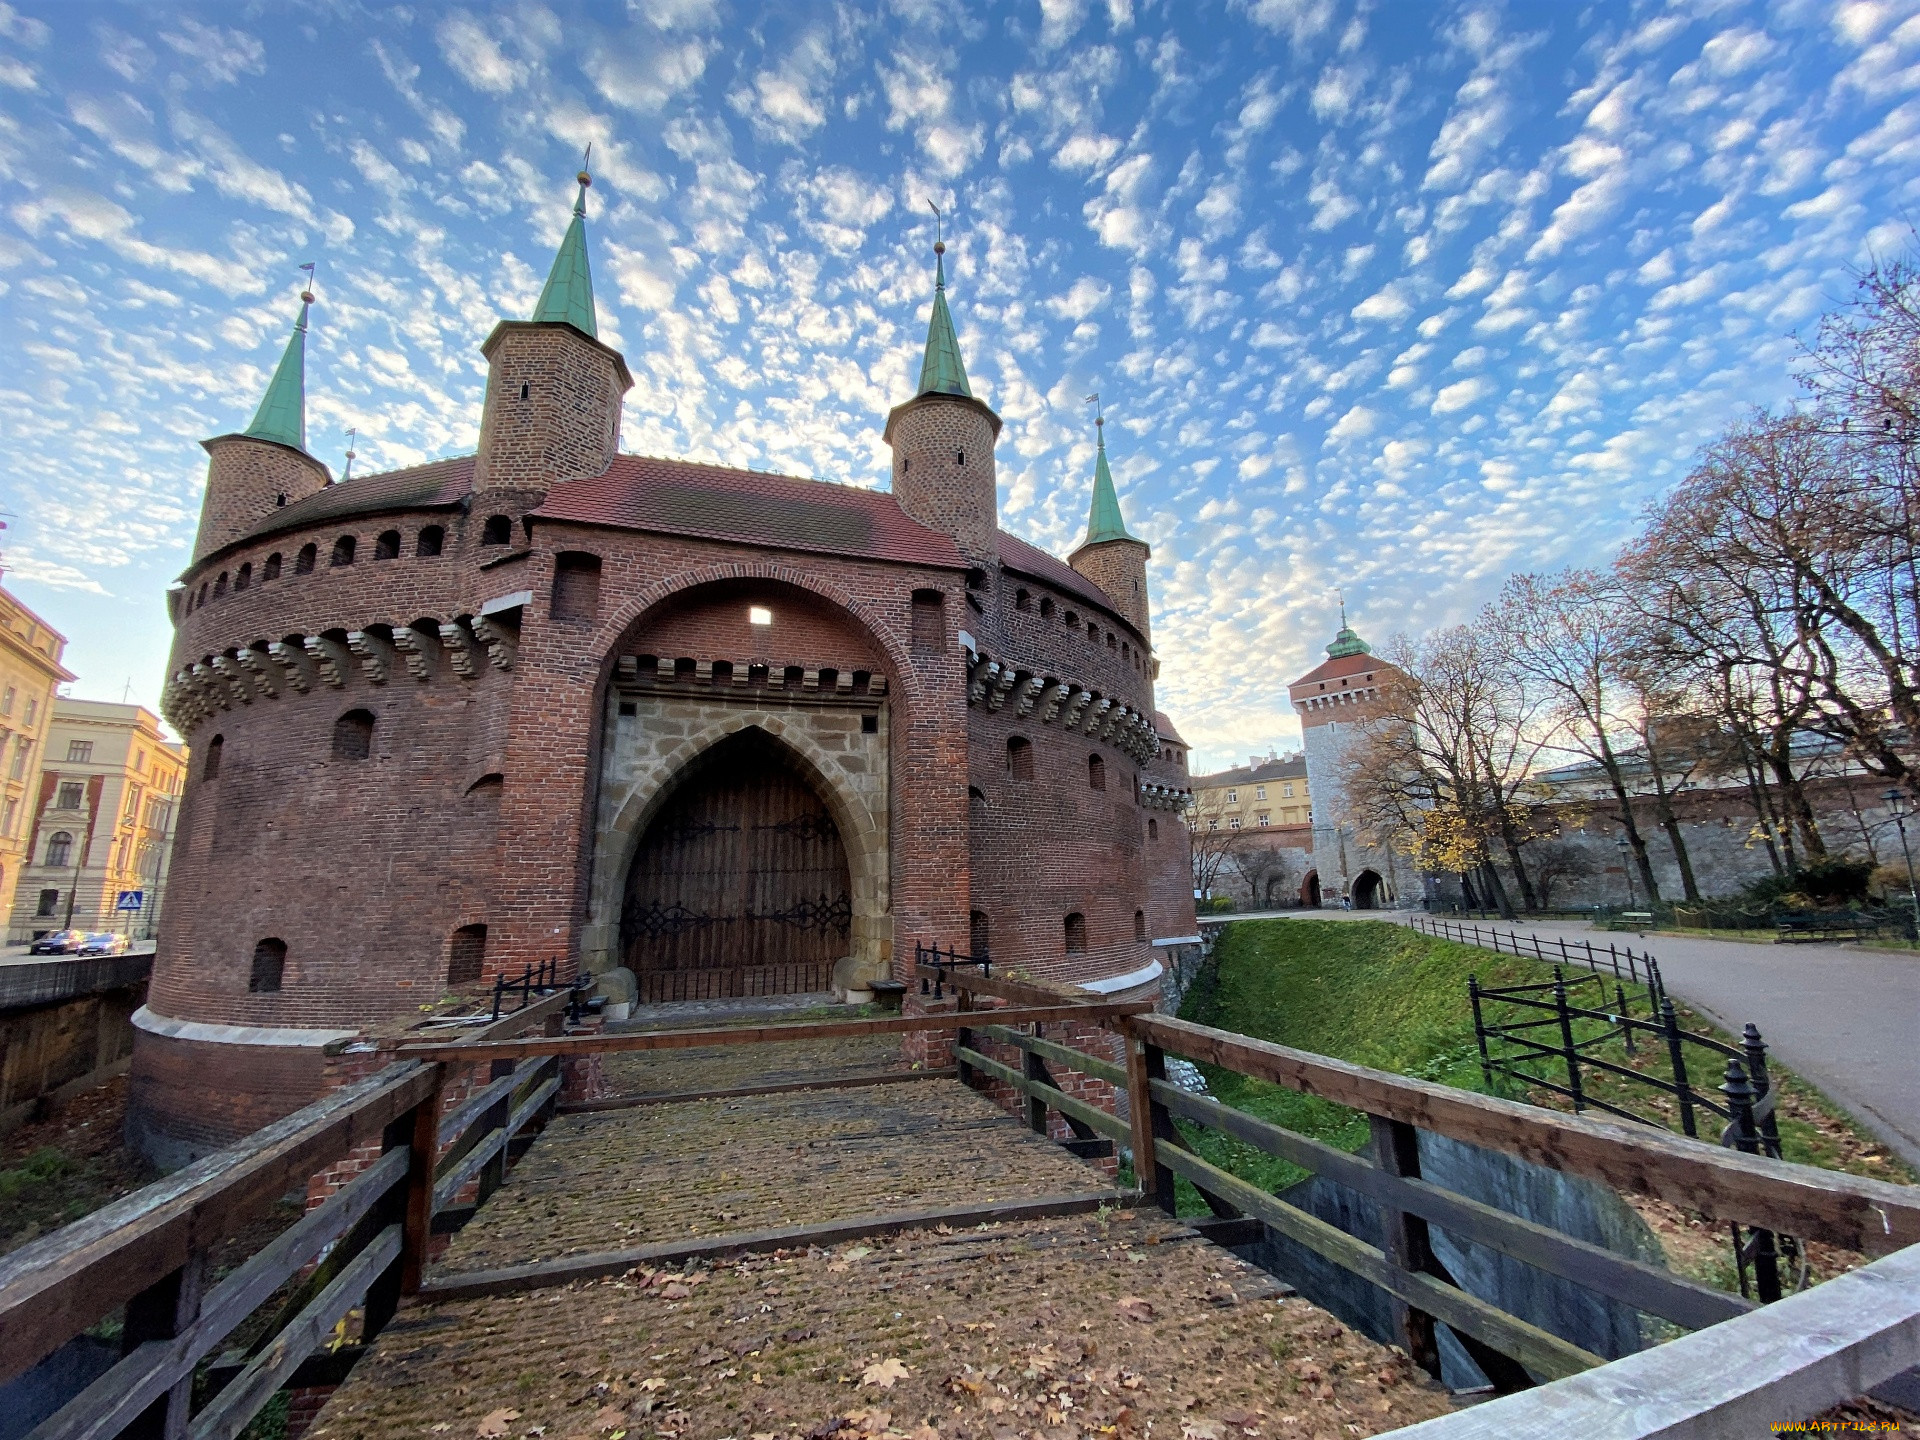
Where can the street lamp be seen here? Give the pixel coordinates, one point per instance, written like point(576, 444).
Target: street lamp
point(1626, 868)
point(1896, 799)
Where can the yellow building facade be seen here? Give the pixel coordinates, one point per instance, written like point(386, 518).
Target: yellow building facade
point(30, 674)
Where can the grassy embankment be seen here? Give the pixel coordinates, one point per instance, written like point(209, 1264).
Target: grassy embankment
point(1391, 998)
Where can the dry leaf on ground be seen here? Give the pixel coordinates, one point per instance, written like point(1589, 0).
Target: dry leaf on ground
point(494, 1424)
point(1134, 1308)
point(884, 1373)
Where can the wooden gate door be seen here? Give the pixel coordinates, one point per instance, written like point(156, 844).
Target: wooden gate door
point(740, 886)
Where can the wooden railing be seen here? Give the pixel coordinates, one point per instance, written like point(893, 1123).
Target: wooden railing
point(148, 1255)
point(1828, 1364)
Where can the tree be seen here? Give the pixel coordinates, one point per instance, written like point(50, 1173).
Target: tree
point(1213, 840)
point(1259, 863)
point(1442, 770)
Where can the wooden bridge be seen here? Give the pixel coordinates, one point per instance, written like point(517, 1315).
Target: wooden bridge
point(785, 1231)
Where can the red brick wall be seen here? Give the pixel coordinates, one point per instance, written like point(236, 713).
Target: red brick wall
point(186, 1097)
point(568, 424)
point(943, 469)
point(1119, 567)
point(245, 480)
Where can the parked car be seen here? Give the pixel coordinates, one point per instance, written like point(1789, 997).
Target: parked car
point(104, 942)
point(59, 942)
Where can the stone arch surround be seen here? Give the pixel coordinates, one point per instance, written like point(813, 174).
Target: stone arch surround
point(646, 755)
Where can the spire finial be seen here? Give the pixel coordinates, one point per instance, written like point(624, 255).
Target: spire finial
point(941, 372)
point(567, 296)
point(1104, 520)
point(1099, 421)
point(1341, 596)
point(347, 473)
point(1346, 642)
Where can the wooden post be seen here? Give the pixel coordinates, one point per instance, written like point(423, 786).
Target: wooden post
point(963, 1037)
point(1147, 1170)
point(383, 1296)
point(1034, 1068)
point(424, 1146)
point(494, 1173)
point(160, 1312)
point(1405, 1239)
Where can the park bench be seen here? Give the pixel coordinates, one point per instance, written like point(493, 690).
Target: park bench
point(1811, 929)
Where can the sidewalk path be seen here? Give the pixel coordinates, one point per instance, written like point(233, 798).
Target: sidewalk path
point(1845, 1019)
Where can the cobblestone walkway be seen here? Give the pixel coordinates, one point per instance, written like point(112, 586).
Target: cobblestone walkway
point(728, 1067)
point(1112, 1324)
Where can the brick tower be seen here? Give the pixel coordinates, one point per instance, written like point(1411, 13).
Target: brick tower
point(265, 466)
point(554, 391)
point(943, 439)
point(1109, 556)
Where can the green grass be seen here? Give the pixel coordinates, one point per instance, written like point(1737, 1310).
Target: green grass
point(1384, 996)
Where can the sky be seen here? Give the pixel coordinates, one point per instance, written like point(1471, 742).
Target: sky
point(1383, 299)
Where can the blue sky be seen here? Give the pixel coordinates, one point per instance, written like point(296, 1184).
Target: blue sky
point(1385, 298)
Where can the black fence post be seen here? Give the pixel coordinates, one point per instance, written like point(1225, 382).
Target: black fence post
point(1762, 1083)
point(1626, 1018)
point(1480, 1030)
point(1566, 1041)
point(1676, 1057)
point(1746, 1139)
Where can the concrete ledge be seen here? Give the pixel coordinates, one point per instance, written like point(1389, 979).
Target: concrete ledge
point(278, 1036)
point(1131, 980)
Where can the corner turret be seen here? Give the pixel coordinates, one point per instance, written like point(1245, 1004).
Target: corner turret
point(1109, 556)
point(943, 439)
point(254, 472)
point(554, 391)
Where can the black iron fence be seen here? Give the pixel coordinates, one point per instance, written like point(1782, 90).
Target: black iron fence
point(1621, 961)
point(947, 962)
point(537, 982)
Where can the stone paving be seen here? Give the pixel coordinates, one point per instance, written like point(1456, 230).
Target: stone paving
point(1117, 1323)
point(727, 1067)
point(614, 1179)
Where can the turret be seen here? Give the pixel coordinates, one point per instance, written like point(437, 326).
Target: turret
point(554, 391)
point(943, 439)
point(1109, 556)
point(265, 466)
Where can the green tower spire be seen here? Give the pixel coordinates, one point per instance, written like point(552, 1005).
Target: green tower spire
point(568, 294)
point(282, 416)
point(1104, 521)
point(941, 373)
point(1346, 642)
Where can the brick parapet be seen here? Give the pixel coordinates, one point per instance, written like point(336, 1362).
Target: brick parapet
point(552, 408)
point(1119, 567)
point(944, 471)
point(247, 480)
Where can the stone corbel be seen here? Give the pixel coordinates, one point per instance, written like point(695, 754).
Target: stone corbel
point(502, 641)
point(1076, 708)
point(627, 670)
point(460, 646)
point(843, 683)
point(1001, 685)
point(293, 665)
point(876, 684)
point(1101, 718)
point(703, 671)
point(810, 678)
point(212, 688)
point(663, 668)
point(979, 675)
point(1030, 695)
point(257, 665)
point(742, 671)
point(375, 655)
point(331, 658)
point(1055, 699)
point(235, 678)
point(422, 651)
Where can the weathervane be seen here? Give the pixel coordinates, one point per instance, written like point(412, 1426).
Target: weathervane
point(1099, 419)
point(352, 436)
point(306, 292)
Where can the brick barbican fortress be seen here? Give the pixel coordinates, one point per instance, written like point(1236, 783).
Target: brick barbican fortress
point(700, 732)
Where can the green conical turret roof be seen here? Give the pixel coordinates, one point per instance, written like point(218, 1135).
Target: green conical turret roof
point(1104, 521)
point(941, 373)
point(282, 416)
point(568, 294)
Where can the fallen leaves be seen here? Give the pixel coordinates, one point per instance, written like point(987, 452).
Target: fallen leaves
point(884, 1373)
point(494, 1424)
point(1133, 1307)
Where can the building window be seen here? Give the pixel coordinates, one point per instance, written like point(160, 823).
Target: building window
point(243, 577)
point(211, 768)
point(1140, 925)
point(387, 547)
point(1262, 818)
point(467, 955)
point(22, 751)
point(1022, 600)
point(342, 552)
point(1076, 933)
point(1234, 823)
point(1259, 792)
point(430, 541)
point(1233, 797)
point(60, 848)
point(79, 752)
point(497, 531)
point(269, 967)
point(69, 797)
point(139, 762)
point(1096, 773)
point(929, 621)
point(270, 570)
point(1046, 607)
point(576, 585)
point(6, 700)
point(10, 814)
point(49, 902)
point(353, 735)
point(1020, 757)
point(1153, 828)
point(220, 585)
point(978, 933)
point(304, 561)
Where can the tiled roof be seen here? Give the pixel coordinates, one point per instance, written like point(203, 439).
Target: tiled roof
point(1340, 667)
point(1032, 560)
point(1290, 769)
point(679, 497)
point(438, 482)
point(1165, 726)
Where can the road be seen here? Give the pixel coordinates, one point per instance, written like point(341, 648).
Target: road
point(1845, 1019)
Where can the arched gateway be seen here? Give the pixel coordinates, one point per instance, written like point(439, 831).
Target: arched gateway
point(740, 884)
